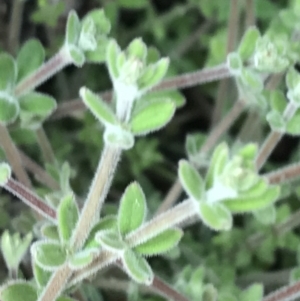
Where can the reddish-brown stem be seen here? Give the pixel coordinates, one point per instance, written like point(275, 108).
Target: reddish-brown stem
point(178, 82)
point(287, 293)
point(30, 199)
point(283, 175)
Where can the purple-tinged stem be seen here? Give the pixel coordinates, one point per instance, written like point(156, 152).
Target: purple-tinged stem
point(287, 293)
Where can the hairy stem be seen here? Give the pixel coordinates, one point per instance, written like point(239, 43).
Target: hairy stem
point(273, 138)
point(233, 26)
point(13, 156)
point(30, 199)
point(284, 175)
point(287, 293)
point(60, 60)
point(15, 25)
point(211, 141)
point(97, 194)
point(250, 13)
point(45, 145)
point(178, 82)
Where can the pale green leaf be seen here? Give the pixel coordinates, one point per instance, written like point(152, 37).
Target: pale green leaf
point(73, 28)
point(110, 240)
point(132, 209)
point(5, 173)
point(248, 43)
point(253, 293)
point(8, 72)
point(118, 137)
point(161, 243)
point(98, 107)
point(28, 63)
point(215, 216)
point(77, 55)
point(50, 231)
point(234, 63)
point(81, 259)
point(152, 117)
point(40, 275)
point(9, 109)
point(137, 268)
point(18, 290)
point(67, 217)
point(112, 52)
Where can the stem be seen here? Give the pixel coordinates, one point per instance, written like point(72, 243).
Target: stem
point(45, 146)
point(250, 13)
point(283, 175)
point(287, 293)
point(273, 138)
point(233, 25)
point(15, 25)
point(60, 60)
point(39, 173)
point(30, 199)
point(178, 82)
point(211, 141)
point(164, 221)
point(98, 192)
point(13, 156)
point(56, 284)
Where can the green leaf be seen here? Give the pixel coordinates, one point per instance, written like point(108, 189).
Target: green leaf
point(191, 180)
point(152, 117)
point(18, 290)
point(218, 162)
point(137, 49)
point(253, 293)
point(101, 22)
point(118, 137)
point(98, 107)
point(248, 42)
point(161, 243)
point(293, 125)
point(276, 121)
point(110, 240)
point(5, 173)
point(99, 54)
point(295, 275)
point(215, 216)
point(278, 101)
point(248, 204)
point(107, 223)
point(76, 55)
point(112, 52)
point(209, 293)
point(41, 276)
point(14, 248)
point(87, 40)
point(132, 210)
point(81, 259)
point(67, 217)
point(49, 255)
point(159, 70)
point(234, 63)
point(73, 28)
point(252, 79)
point(292, 78)
point(8, 72)
point(137, 268)
point(267, 215)
point(28, 63)
point(50, 231)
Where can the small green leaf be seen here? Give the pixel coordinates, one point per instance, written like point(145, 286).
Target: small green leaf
point(101, 22)
point(278, 101)
point(191, 180)
point(161, 243)
point(41, 276)
point(253, 293)
point(132, 210)
point(152, 117)
point(9, 109)
point(110, 240)
point(76, 55)
point(137, 49)
point(160, 69)
point(107, 223)
point(118, 137)
point(276, 121)
point(137, 268)
point(112, 52)
point(248, 42)
point(252, 79)
point(81, 259)
point(67, 217)
point(218, 162)
point(18, 290)
point(5, 173)
point(49, 255)
point(267, 215)
point(293, 125)
point(98, 55)
point(8, 72)
point(215, 216)
point(87, 39)
point(234, 63)
point(98, 107)
point(50, 231)
point(248, 204)
point(73, 28)
point(292, 78)
point(28, 63)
